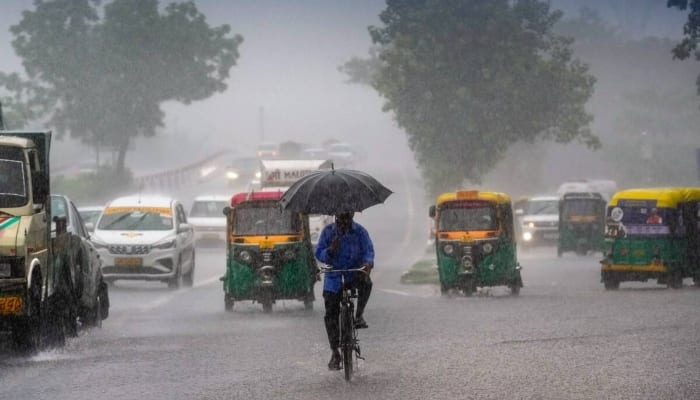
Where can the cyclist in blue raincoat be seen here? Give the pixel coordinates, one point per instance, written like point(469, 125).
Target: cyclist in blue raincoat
point(344, 244)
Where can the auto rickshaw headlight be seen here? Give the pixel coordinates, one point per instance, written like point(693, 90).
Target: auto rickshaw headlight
point(289, 254)
point(530, 224)
point(487, 247)
point(448, 249)
point(527, 236)
point(231, 175)
point(467, 263)
point(245, 256)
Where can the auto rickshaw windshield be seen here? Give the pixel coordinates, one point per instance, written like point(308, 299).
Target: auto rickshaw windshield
point(467, 217)
point(265, 220)
point(580, 207)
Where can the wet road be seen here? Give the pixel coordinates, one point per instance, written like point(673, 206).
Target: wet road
point(564, 337)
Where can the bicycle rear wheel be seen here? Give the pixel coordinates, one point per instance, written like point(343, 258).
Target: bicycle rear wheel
point(346, 342)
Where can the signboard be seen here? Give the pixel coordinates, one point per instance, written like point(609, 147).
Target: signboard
point(283, 173)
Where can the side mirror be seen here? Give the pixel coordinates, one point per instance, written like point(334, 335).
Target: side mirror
point(61, 225)
point(89, 226)
point(184, 228)
point(432, 212)
point(226, 211)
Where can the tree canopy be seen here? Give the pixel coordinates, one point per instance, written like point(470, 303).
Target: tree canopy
point(691, 32)
point(102, 73)
point(468, 79)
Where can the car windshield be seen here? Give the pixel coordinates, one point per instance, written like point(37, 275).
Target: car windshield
point(208, 209)
point(13, 182)
point(542, 207)
point(136, 219)
point(477, 217)
point(265, 220)
point(90, 216)
point(580, 207)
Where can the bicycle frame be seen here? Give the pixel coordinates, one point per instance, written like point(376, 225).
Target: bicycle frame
point(348, 334)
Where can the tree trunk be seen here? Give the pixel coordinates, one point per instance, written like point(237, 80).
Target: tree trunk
point(123, 147)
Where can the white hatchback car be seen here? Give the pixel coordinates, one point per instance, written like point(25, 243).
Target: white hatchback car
point(207, 218)
point(146, 238)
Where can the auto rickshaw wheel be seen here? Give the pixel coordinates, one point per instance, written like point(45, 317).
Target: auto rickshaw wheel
point(675, 280)
point(444, 290)
point(515, 289)
point(611, 284)
point(228, 302)
point(267, 306)
point(468, 287)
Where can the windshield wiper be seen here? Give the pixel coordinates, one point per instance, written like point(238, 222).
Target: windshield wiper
point(135, 224)
point(118, 219)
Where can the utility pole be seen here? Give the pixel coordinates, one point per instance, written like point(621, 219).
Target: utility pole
point(2, 122)
point(261, 123)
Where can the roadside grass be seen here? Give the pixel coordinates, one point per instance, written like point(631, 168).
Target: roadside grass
point(421, 273)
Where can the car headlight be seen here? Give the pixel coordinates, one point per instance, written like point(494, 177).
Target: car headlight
point(289, 254)
point(167, 244)
point(231, 175)
point(98, 244)
point(488, 248)
point(448, 249)
point(258, 174)
point(527, 236)
point(530, 224)
point(245, 256)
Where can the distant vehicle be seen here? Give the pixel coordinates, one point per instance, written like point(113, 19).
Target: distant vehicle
point(539, 221)
point(606, 187)
point(146, 238)
point(93, 295)
point(314, 153)
point(242, 171)
point(207, 218)
point(268, 150)
point(342, 154)
point(90, 215)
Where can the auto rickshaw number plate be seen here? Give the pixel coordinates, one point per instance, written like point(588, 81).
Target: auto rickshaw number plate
point(128, 262)
point(11, 305)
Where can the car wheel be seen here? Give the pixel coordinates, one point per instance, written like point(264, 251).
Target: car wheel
point(26, 334)
point(188, 279)
point(97, 313)
point(228, 302)
point(176, 281)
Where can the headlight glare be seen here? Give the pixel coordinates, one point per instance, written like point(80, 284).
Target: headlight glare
point(231, 175)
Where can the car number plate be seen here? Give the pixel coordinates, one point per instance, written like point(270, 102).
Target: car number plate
point(550, 235)
point(11, 304)
point(128, 262)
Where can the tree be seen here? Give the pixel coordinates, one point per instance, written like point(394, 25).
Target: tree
point(468, 79)
point(104, 77)
point(691, 30)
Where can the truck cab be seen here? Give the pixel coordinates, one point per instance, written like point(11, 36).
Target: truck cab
point(33, 280)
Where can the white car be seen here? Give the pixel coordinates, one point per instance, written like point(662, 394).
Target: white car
point(90, 215)
point(342, 155)
point(540, 221)
point(207, 218)
point(146, 238)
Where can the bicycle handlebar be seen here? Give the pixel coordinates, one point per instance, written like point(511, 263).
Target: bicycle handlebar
point(327, 270)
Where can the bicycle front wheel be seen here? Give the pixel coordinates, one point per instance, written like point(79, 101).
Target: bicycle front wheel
point(346, 344)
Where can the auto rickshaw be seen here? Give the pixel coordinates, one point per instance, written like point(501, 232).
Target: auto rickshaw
point(269, 253)
point(581, 223)
point(652, 234)
point(475, 242)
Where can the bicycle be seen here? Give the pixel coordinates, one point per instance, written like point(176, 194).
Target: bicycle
point(349, 343)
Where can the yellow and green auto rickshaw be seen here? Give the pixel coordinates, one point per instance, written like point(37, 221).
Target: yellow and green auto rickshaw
point(269, 253)
point(475, 242)
point(652, 234)
point(581, 223)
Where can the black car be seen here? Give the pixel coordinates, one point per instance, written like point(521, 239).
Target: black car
point(91, 297)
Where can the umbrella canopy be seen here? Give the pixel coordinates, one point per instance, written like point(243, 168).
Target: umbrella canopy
point(334, 191)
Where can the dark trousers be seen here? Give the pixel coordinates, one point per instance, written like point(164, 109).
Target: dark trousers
point(332, 302)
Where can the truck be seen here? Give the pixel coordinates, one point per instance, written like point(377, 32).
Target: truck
point(37, 297)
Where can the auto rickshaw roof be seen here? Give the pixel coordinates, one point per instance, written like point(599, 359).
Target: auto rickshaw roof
point(665, 197)
point(496, 197)
point(255, 196)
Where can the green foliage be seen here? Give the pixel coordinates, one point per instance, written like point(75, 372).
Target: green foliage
point(691, 30)
point(468, 79)
point(103, 77)
point(96, 188)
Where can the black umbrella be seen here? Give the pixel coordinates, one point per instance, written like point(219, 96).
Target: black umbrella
point(334, 191)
